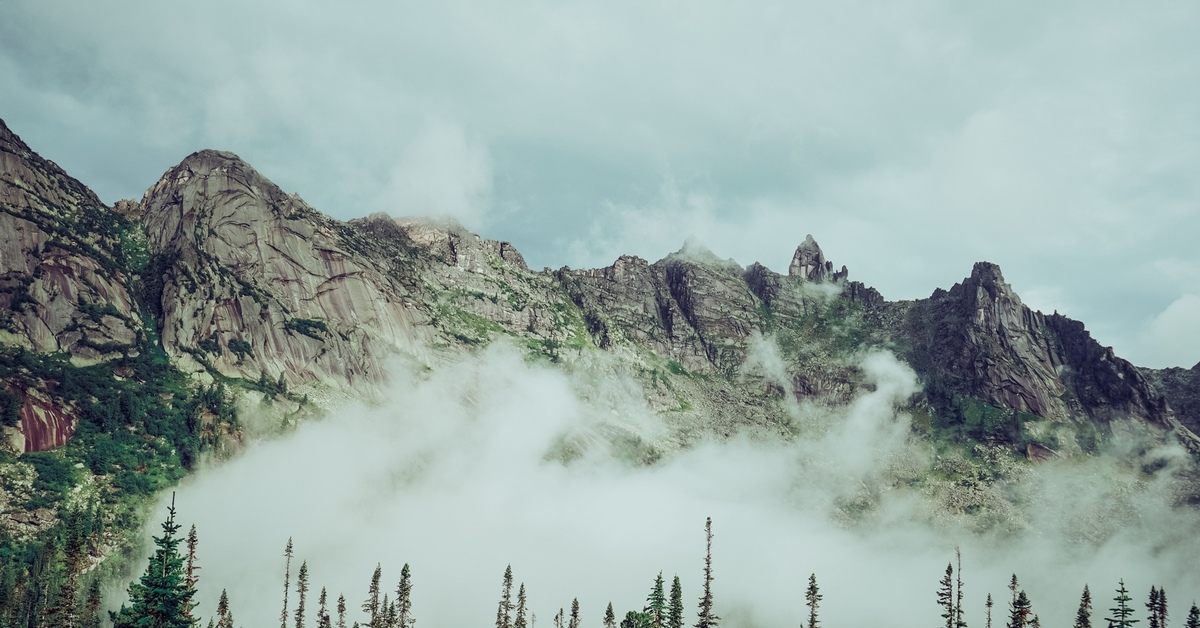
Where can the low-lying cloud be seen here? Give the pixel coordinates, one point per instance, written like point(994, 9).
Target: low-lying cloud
point(493, 460)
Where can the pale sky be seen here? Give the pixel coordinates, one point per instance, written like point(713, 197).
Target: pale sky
point(912, 138)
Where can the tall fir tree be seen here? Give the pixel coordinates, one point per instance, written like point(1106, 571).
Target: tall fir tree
point(705, 617)
point(1152, 607)
point(1193, 620)
point(1162, 607)
point(161, 598)
point(1019, 608)
point(945, 596)
point(573, 620)
point(505, 607)
point(91, 610)
point(301, 593)
point(370, 606)
point(1122, 614)
point(341, 610)
point(989, 604)
point(1083, 617)
point(404, 588)
point(224, 615)
point(287, 582)
point(522, 607)
point(193, 568)
point(559, 619)
point(610, 618)
point(656, 603)
point(323, 620)
point(675, 615)
point(812, 599)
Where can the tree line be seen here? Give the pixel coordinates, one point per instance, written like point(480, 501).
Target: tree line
point(163, 598)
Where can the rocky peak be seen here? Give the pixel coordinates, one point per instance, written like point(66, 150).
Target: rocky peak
point(809, 264)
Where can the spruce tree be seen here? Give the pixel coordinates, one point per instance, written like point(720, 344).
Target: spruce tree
point(1019, 608)
point(505, 607)
point(370, 606)
point(323, 610)
point(341, 611)
point(945, 596)
point(224, 615)
point(559, 619)
point(1083, 617)
point(675, 616)
point(1152, 606)
point(812, 599)
point(706, 618)
point(656, 603)
point(1122, 614)
point(1162, 607)
point(161, 598)
point(287, 582)
point(610, 618)
point(404, 617)
point(91, 616)
point(989, 604)
point(301, 593)
point(522, 607)
point(1193, 620)
point(959, 621)
point(573, 620)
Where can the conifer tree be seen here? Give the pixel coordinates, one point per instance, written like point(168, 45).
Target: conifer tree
point(341, 611)
point(989, 605)
point(323, 610)
point(1036, 622)
point(610, 618)
point(224, 615)
point(558, 619)
point(192, 568)
point(91, 617)
point(1083, 617)
point(287, 582)
point(1193, 620)
point(404, 617)
point(656, 603)
point(945, 596)
point(1122, 614)
point(1162, 608)
point(522, 607)
point(706, 618)
point(675, 616)
point(573, 621)
point(1152, 606)
point(63, 612)
point(161, 599)
point(301, 593)
point(370, 606)
point(1019, 609)
point(504, 609)
point(812, 599)
point(387, 613)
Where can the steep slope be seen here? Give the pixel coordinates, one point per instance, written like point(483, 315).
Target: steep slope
point(65, 263)
point(1181, 387)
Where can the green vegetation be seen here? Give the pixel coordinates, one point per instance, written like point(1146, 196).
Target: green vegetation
point(313, 328)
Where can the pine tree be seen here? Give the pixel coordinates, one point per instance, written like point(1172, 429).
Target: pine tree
point(573, 621)
point(706, 618)
point(161, 599)
point(192, 568)
point(341, 611)
point(370, 606)
point(558, 619)
point(1083, 617)
point(63, 612)
point(1019, 609)
point(287, 582)
point(522, 607)
point(1193, 620)
point(1121, 612)
point(1162, 607)
point(224, 616)
point(610, 618)
point(302, 593)
point(323, 610)
point(812, 599)
point(91, 617)
point(404, 617)
point(989, 604)
point(945, 596)
point(504, 609)
point(1152, 606)
point(656, 603)
point(675, 616)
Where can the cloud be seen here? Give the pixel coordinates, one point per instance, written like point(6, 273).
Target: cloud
point(492, 460)
point(442, 172)
point(1173, 336)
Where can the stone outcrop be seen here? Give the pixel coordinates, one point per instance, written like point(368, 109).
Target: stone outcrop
point(1181, 387)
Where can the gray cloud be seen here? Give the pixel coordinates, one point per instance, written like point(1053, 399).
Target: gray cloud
point(911, 138)
point(461, 472)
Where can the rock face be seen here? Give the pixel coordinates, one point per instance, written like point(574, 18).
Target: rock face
point(1181, 387)
point(243, 281)
point(63, 280)
point(979, 341)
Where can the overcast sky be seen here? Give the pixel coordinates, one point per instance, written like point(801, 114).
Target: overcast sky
point(1060, 140)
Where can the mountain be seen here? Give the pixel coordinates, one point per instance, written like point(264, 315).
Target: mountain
point(133, 337)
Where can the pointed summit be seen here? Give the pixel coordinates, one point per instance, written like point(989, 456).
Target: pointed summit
point(809, 263)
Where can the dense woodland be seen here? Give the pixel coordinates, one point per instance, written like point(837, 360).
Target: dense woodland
point(162, 598)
